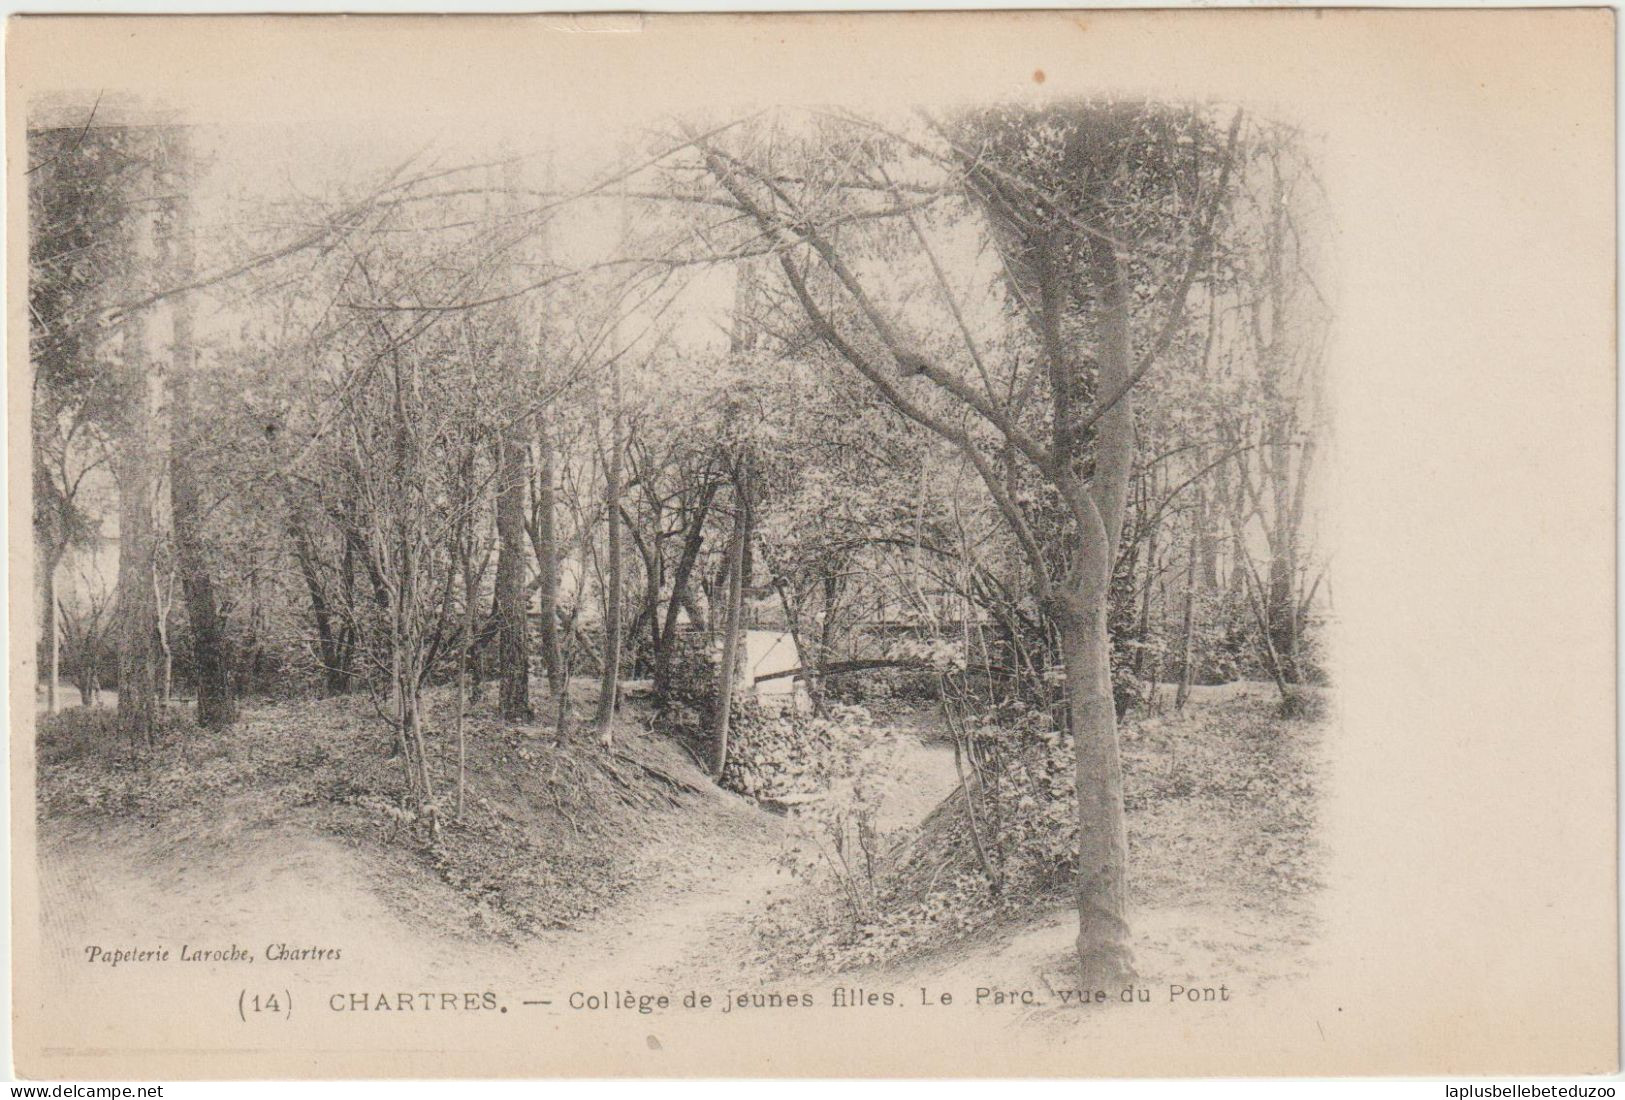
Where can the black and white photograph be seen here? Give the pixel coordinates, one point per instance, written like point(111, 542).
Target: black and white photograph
point(673, 569)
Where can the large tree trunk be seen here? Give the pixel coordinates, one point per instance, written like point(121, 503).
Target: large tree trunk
point(137, 596)
point(1102, 884)
point(1102, 890)
point(1103, 948)
point(210, 667)
point(513, 646)
point(135, 474)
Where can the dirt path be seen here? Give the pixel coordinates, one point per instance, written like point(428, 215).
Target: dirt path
point(672, 934)
point(688, 924)
point(125, 889)
point(694, 929)
point(1224, 897)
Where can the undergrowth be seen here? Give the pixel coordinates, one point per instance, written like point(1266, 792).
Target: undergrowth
point(549, 833)
point(1220, 801)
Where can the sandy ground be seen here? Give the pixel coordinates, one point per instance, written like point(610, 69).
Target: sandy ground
point(130, 886)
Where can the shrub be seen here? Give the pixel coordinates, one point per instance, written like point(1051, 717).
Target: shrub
point(774, 755)
point(1304, 703)
point(873, 898)
point(76, 733)
point(690, 681)
point(860, 764)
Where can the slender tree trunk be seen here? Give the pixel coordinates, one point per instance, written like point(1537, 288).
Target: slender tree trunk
point(327, 646)
point(1188, 624)
point(728, 665)
point(546, 498)
point(398, 699)
point(53, 624)
point(430, 807)
point(166, 679)
point(610, 683)
point(348, 633)
point(547, 561)
point(1281, 607)
point(404, 591)
point(693, 541)
point(513, 630)
point(471, 585)
point(1143, 626)
point(648, 612)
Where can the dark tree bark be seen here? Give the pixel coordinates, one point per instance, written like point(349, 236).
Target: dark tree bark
point(1102, 887)
point(211, 665)
point(471, 594)
point(330, 646)
point(513, 641)
point(133, 472)
point(693, 541)
point(648, 613)
point(830, 589)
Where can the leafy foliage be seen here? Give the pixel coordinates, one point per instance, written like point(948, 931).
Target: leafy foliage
point(865, 353)
point(1221, 807)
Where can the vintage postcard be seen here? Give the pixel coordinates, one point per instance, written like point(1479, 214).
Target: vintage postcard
point(913, 544)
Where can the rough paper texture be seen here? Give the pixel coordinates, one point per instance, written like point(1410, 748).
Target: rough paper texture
point(1466, 918)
